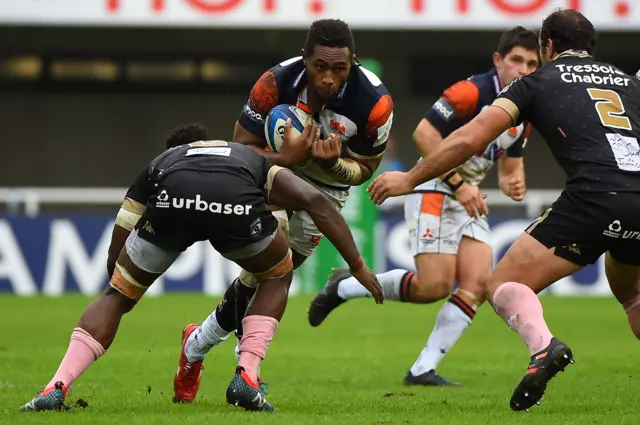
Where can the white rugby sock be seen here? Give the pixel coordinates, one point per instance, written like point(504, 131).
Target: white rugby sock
point(203, 339)
point(395, 286)
point(451, 322)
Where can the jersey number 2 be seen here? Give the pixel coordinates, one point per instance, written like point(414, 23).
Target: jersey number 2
point(610, 108)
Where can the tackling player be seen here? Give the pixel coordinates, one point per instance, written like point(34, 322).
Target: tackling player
point(589, 114)
point(355, 114)
point(449, 236)
point(205, 190)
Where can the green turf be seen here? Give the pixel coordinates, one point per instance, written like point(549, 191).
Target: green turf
point(348, 371)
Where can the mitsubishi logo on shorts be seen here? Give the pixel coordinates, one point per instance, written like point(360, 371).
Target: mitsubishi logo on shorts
point(614, 229)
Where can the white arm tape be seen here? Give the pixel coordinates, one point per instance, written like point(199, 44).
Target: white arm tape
point(127, 219)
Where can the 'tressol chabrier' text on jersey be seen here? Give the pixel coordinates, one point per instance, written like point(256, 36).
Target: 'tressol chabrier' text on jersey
point(589, 114)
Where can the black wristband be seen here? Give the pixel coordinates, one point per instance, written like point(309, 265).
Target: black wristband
point(452, 187)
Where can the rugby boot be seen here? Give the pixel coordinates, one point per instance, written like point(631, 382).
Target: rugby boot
point(327, 300)
point(186, 383)
point(428, 379)
point(51, 398)
point(264, 385)
point(543, 366)
point(242, 392)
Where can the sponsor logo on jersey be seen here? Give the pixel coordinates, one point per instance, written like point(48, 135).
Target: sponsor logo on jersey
point(444, 109)
point(148, 228)
point(631, 234)
point(209, 151)
point(337, 126)
point(574, 248)
point(593, 74)
point(163, 200)
point(331, 121)
point(492, 152)
point(314, 240)
point(253, 114)
point(614, 229)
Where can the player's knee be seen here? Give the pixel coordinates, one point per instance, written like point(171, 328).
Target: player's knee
point(430, 287)
point(632, 308)
point(471, 298)
point(248, 280)
point(277, 271)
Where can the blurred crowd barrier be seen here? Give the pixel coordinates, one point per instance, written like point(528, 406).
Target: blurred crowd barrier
point(53, 253)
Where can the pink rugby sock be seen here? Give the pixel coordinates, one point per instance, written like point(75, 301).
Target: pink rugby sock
point(82, 352)
point(520, 308)
point(258, 333)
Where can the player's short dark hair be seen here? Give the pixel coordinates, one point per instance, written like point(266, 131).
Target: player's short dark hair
point(329, 33)
point(569, 30)
point(518, 37)
point(186, 133)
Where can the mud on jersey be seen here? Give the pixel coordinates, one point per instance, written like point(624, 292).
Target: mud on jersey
point(458, 105)
point(362, 113)
point(588, 112)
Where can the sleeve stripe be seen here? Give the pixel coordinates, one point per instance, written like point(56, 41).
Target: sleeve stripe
point(509, 107)
point(271, 175)
point(133, 206)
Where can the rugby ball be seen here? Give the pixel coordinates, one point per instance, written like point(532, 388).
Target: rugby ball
point(277, 118)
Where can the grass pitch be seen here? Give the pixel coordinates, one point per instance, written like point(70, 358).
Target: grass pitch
point(348, 371)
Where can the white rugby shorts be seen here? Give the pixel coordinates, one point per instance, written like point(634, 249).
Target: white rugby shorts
point(437, 222)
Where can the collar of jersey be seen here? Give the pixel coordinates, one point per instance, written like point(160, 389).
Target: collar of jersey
point(573, 53)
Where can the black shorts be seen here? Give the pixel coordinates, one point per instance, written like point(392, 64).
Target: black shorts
point(584, 225)
point(191, 206)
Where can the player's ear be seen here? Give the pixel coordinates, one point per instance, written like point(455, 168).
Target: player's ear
point(551, 51)
point(304, 57)
point(497, 58)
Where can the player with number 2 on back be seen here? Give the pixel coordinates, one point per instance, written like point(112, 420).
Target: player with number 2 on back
point(353, 111)
point(589, 114)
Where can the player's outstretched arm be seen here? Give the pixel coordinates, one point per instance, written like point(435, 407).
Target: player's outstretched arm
point(452, 152)
point(462, 144)
point(292, 193)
